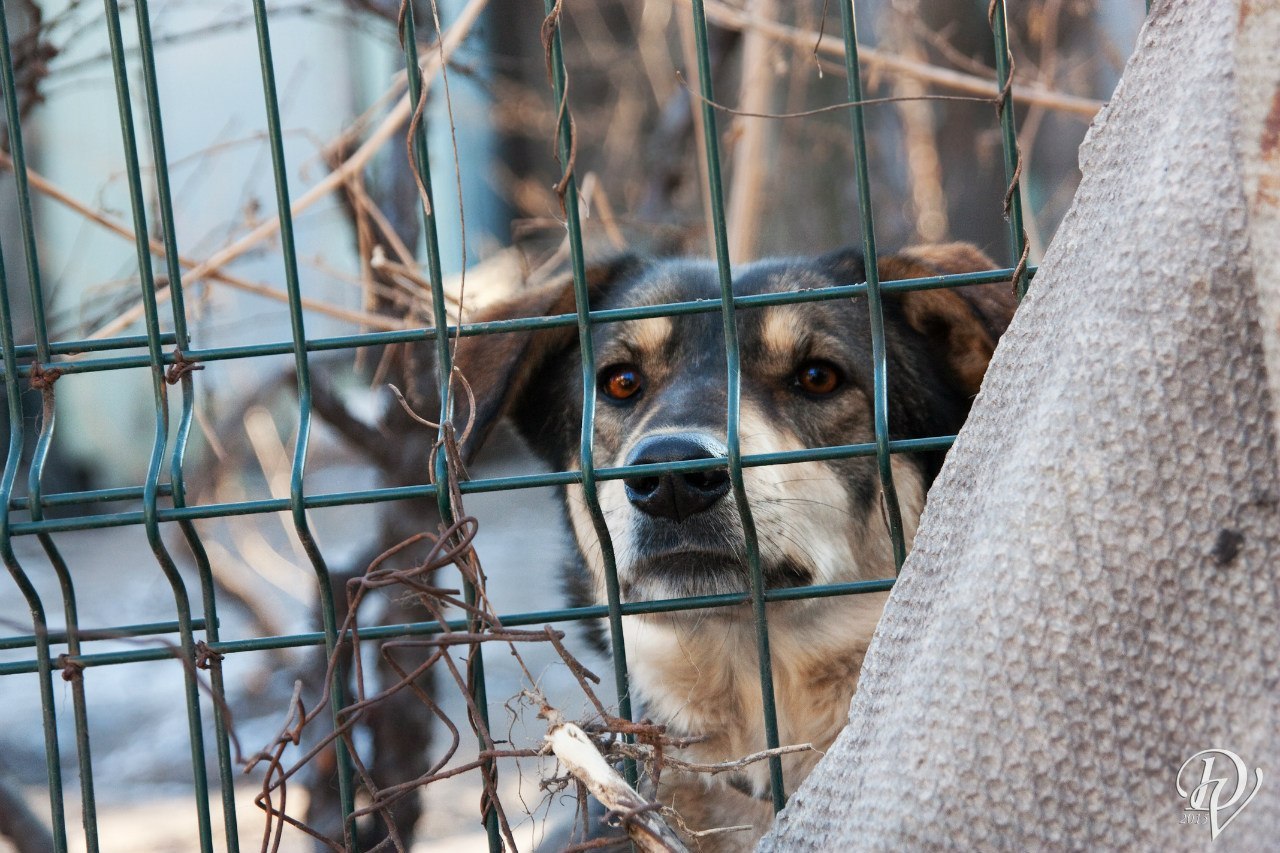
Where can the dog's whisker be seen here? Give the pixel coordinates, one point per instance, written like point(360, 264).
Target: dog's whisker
point(833, 507)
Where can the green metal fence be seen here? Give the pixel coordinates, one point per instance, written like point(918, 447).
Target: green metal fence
point(171, 362)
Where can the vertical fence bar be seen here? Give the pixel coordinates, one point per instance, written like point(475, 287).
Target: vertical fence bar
point(296, 489)
point(41, 452)
point(35, 506)
point(53, 764)
point(1009, 144)
point(150, 494)
point(444, 375)
point(777, 791)
point(586, 448)
point(875, 307)
point(182, 342)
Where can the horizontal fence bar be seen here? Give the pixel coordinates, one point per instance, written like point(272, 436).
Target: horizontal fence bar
point(527, 324)
point(495, 484)
point(94, 345)
point(123, 493)
point(411, 629)
point(88, 635)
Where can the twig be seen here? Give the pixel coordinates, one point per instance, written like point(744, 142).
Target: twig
point(408, 410)
point(750, 160)
point(642, 751)
point(637, 815)
point(593, 192)
point(919, 130)
point(872, 58)
point(703, 833)
point(689, 49)
point(843, 105)
point(1048, 71)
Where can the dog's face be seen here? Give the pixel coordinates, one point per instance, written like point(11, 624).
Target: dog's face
point(806, 381)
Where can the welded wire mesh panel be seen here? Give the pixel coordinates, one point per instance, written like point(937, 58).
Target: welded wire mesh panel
point(58, 658)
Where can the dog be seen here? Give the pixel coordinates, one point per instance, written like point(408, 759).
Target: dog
point(661, 396)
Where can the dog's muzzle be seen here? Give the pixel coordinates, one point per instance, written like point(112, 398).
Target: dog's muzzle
point(676, 496)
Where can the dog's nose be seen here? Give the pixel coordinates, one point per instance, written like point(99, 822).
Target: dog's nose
point(674, 495)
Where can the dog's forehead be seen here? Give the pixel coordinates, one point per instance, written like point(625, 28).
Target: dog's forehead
point(668, 281)
point(775, 327)
point(780, 276)
point(688, 279)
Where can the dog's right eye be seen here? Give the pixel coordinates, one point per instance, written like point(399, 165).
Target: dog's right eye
point(620, 381)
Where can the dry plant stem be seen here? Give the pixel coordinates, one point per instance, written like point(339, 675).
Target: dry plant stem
point(364, 247)
point(347, 138)
point(388, 128)
point(675, 818)
point(409, 282)
point(275, 462)
point(874, 60)
point(574, 749)
point(607, 219)
point(642, 751)
point(687, 44)
point(369, 206)
point(395, 293)
point(1049, 57)
point(924, 167)
point(829, 108)
point(750, 157)
point(721, 830)
point(592, 192)
point(655, 60)
point(580, 672)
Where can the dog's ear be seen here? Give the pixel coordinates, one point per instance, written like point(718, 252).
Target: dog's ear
point(961, 324)
point(501, 368)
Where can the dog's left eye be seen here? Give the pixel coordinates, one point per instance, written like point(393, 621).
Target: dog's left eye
point(621, 382)
point(818, 378)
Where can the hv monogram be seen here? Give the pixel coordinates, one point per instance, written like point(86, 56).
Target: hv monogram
point(1223, 779)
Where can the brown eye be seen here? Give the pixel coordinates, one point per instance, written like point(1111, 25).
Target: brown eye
point(818, 378)
point(621, 381)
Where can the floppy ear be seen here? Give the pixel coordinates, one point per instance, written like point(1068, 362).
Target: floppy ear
point(500, 368)
point(961, 324)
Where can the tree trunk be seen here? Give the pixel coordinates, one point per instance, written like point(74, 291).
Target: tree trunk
point(1094, 598)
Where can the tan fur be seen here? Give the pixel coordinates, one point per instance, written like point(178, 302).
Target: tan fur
point(783, 329)
point(699, 671)
point(967, 342)
point(965, 321)
point(950, 257)
point(650, 335)
point(816, 648)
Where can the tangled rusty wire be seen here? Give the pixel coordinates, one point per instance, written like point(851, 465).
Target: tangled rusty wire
point(453, 546)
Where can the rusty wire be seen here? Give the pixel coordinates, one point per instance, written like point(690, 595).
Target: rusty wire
point(452, 545)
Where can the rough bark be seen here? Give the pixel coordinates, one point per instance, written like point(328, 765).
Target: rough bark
point(1094, 597)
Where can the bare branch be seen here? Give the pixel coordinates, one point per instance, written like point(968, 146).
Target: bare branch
point(873, 59)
